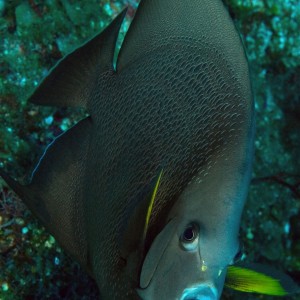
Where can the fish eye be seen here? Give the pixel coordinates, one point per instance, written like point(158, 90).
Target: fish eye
point(189, 234)
point(189, 237)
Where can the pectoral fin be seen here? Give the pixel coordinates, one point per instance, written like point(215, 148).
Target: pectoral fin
point(256, 278)
point(136, 231)
point(150, 206)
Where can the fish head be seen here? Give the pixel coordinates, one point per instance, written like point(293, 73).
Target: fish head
point(189, 257)
point(181, 272)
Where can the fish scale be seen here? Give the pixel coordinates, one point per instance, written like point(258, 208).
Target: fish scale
point(148, 143)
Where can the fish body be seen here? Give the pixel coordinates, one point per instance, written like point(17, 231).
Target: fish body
point(178, 111)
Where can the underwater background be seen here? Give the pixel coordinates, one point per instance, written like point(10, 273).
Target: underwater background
point(35, 34)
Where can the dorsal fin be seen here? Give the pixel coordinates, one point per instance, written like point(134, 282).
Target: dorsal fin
point(55, 194)
point(69, 81)
point(158, 22)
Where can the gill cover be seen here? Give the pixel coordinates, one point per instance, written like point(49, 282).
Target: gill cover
point(160, 243)
point(155, 253)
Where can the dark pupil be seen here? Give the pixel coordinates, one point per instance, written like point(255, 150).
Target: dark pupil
point(188, 234)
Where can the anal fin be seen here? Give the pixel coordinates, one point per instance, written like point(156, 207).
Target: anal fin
point(55, 194)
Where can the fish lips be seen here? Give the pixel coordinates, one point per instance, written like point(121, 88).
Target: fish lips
point(200, 292)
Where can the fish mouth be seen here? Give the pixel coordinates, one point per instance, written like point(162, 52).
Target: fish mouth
point(201, 292)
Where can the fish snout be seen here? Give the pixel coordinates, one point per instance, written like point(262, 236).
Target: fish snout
point(201, 292)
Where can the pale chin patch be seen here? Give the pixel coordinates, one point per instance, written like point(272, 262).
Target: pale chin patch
point(200, 292)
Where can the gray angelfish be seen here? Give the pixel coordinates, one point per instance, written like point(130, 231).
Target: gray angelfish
point(147, 192)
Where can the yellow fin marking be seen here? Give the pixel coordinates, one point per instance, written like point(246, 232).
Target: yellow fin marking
point(246, 280)
point(151, 204)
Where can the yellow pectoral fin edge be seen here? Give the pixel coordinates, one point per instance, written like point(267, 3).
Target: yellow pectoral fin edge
point(151, 204)
point(250, 281)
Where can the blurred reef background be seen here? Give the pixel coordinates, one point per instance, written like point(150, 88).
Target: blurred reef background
point(35, 34)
